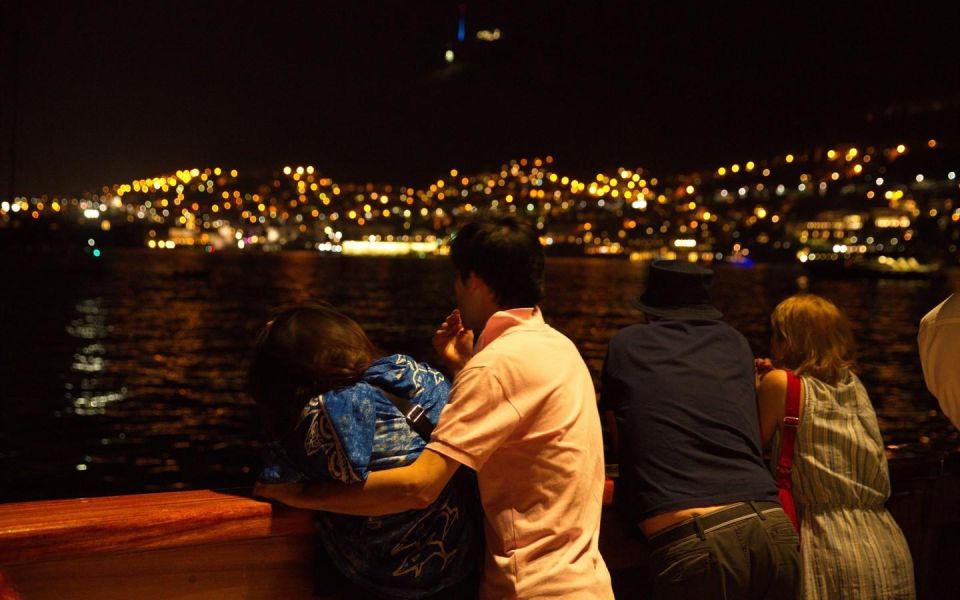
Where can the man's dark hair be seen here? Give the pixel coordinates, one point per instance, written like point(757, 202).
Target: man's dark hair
point(506, 254)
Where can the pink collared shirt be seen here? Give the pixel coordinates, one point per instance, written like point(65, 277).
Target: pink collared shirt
point(523, 414)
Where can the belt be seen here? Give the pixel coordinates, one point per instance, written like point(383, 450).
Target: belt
point(700, 526)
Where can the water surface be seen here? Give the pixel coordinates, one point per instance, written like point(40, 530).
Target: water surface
point(126, 373)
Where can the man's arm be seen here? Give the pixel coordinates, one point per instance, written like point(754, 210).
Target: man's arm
point(384, 492)
point(605, 406)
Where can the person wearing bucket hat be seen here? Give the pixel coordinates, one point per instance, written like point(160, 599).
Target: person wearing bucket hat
point(678, 390)
point(677, 290)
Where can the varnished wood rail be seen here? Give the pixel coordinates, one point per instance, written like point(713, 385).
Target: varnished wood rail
point(197, 544)
point(206, 544)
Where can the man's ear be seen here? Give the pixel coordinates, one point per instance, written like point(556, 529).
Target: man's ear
point(477, 284)
point(473, 281)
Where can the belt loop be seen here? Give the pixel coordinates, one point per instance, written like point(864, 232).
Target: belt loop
point(699, 527)
point(753, 505)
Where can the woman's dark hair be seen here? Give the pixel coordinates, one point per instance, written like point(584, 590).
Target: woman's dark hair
point(301, 353)
point(506, 254)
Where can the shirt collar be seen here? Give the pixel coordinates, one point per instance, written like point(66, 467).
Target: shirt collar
point(503, 320)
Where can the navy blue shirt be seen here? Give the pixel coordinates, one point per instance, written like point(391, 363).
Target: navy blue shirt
point(686, 410)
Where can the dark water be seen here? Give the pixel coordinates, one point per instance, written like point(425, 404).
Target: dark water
point(126, 373)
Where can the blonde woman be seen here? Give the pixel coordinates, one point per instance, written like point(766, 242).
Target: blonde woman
point(850, 545)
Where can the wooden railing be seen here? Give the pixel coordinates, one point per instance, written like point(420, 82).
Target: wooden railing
point(196, 545)
point(221, 545)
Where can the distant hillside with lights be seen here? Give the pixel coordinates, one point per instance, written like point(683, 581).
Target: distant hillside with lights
point(824, 203)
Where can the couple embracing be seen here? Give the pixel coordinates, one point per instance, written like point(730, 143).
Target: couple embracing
point(518, 429)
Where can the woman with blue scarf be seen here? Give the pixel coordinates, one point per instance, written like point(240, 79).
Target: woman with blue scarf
point(335, 412)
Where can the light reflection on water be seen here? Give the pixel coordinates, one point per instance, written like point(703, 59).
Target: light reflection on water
point(126, 374)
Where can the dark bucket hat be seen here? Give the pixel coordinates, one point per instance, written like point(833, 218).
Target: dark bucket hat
point(677, 289)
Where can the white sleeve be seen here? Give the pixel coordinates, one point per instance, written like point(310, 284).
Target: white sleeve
point(939, 344)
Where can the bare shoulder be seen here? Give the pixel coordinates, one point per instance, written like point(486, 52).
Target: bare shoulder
point(773, 383)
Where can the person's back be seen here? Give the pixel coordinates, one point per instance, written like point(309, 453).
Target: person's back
point(540, 426)
point(413, 554)
point(681, 387)
point(841, 484)
point(839, 457)
point(852, 547)
point(329, 410)
point(686, 416)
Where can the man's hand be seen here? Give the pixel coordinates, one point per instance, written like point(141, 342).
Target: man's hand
point(453, 343)
point(288, 493)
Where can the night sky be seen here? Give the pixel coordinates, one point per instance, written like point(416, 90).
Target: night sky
point(104, 92)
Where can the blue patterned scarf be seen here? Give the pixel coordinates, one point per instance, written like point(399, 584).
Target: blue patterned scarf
point(342, 436)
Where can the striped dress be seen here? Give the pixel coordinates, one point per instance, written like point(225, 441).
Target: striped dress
point(850, 545)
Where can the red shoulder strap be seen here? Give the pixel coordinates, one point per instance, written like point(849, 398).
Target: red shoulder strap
point(788, 433)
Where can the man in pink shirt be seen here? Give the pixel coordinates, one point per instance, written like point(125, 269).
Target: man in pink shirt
point(522, 413)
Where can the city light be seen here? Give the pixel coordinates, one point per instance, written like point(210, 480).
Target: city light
point(488, 35)
point(629, 211)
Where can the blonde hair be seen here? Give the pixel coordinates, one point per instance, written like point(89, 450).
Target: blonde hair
point(815, 337)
